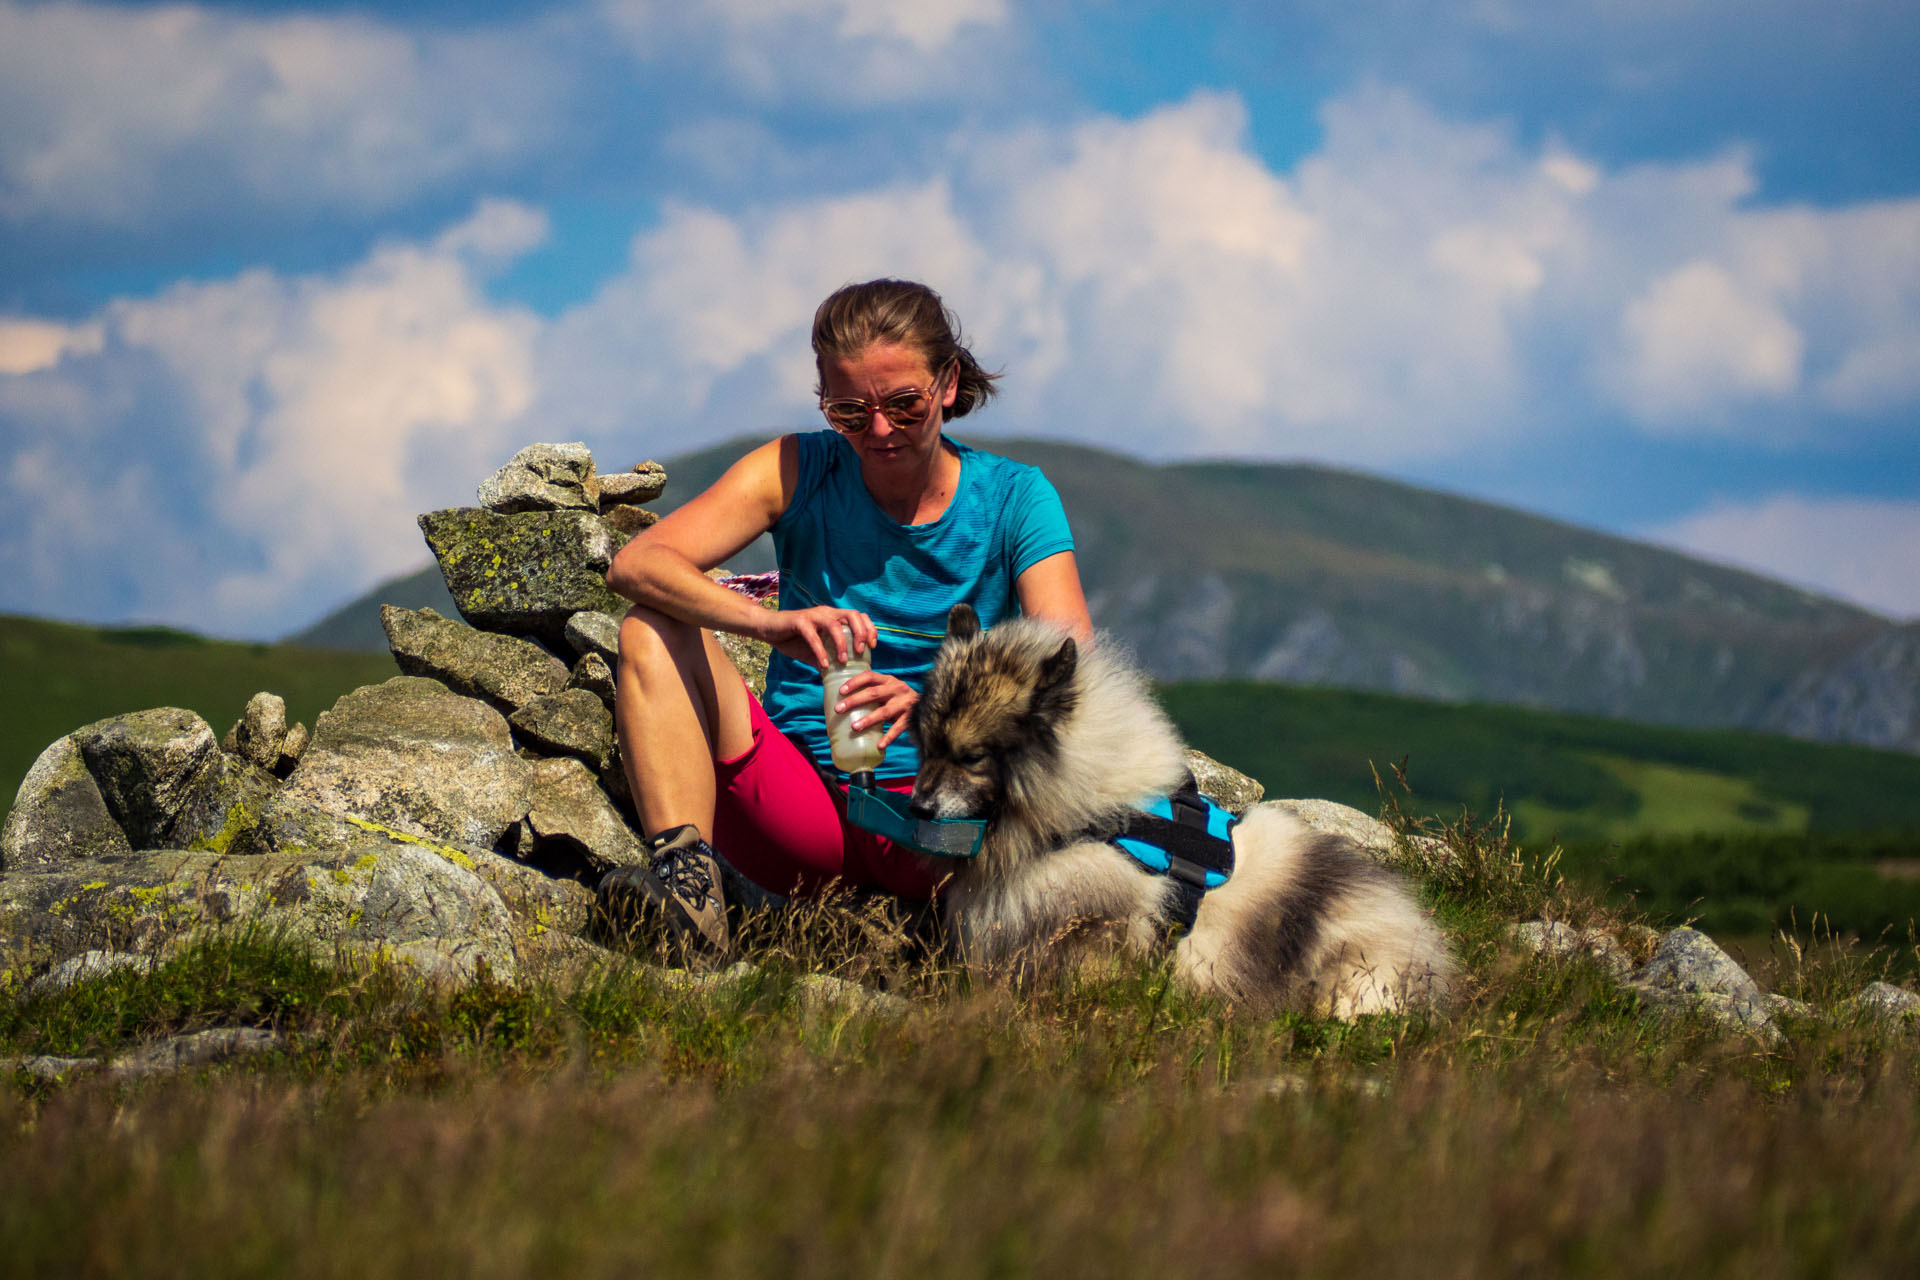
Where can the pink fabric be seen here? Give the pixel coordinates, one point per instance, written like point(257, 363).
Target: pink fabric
point(778, 822)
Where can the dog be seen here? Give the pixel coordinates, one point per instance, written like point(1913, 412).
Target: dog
point(1050, 741)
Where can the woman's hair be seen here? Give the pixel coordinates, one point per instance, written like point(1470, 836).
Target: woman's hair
point(909, 315)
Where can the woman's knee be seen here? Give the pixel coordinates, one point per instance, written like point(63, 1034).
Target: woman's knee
point(651, 641)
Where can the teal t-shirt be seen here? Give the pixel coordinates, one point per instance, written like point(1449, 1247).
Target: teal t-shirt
point(836, 546)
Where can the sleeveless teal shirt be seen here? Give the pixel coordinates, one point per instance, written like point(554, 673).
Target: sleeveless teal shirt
point(835, 546)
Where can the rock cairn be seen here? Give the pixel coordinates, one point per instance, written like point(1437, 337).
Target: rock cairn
point(453, 817)
point(449, 818)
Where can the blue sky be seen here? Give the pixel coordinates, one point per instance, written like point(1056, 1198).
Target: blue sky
point(275, 277)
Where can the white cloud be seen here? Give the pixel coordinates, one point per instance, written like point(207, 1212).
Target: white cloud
point(837, 54)
point(130, 116)
point(27, 345)
point(1418, 288)
point(283, 431)
point(1860, 549)
point(926, 25)
point(1697, 341)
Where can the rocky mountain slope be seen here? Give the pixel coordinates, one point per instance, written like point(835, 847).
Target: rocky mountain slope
point(1309, 575)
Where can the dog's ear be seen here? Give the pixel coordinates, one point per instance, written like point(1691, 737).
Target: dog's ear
point(1053, 686)
point(962, 622)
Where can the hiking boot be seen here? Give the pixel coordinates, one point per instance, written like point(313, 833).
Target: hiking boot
point(678, 892)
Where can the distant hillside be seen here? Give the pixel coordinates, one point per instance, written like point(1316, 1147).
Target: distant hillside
point(55, 677)
point(1308, 575)
point(356, 624)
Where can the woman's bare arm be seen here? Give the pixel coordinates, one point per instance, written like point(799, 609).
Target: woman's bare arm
point(664, 567)
point(1051, 589)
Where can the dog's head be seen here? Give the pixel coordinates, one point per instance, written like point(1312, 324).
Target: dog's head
point(990, 715)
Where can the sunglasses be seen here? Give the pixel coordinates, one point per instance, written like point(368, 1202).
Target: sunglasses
point(908, 407)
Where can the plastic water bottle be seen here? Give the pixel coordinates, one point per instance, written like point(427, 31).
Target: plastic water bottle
point(852, 752)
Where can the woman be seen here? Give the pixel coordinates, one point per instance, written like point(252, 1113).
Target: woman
point(880, 525)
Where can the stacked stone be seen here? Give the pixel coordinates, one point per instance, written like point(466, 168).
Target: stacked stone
point(451, 817)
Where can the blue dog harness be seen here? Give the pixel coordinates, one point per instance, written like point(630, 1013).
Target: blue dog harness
point(1186, 837)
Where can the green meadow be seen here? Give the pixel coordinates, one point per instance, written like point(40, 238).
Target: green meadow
point(1743, 833)
point(56, 677)
point(618, 1119)
point(625, 1120)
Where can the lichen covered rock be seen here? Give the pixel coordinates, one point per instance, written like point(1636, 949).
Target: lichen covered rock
point(647, 481)
point(543, 477)
point(58, 815)
point(376, 890)
point(409, 755)
point(570, 805)
point(505, 670)
point(526, 572)
point(572, 722)
point(148, 765)
point(1226, 786)
point(262, 727)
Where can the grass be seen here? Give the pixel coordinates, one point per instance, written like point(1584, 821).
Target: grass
point(56, 677)
point(620, 1122)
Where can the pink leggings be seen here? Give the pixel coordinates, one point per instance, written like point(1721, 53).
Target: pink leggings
point(779, 822)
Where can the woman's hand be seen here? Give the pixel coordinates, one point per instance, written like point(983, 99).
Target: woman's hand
point(890, 699)
point(814, 635)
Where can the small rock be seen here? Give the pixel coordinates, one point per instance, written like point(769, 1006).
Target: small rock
point(1330, 818)
point(822, 995)
point(1543, 937)
point(630, 520)
point(572, 722)
point(644, 483)
point(591, 631)
point(1690, 973)
point(58, 814)
point(1689, 961)
point(594, 675)
point(703, 983)
point(258, 733)
point(543, 477)
point(568, 804)
point(1778, 1004)
point(1887, 1000)
point(507, 671)
point(196, 1049)
point(292, 747)
point(147, 765)
point(88, 964)
point(1223, 785)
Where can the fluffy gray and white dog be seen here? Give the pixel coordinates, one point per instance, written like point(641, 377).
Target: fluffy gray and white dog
point(1050, 741)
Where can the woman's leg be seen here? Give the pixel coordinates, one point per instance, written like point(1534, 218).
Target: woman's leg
point(679, 705)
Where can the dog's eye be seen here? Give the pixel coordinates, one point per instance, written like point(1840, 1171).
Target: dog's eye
point(971, 759)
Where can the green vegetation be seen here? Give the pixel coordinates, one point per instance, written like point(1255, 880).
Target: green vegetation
point(1745, 833)
point(55, 677)
point(1562, 777)
point(624, 1121)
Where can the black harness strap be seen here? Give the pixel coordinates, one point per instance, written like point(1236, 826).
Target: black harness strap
point(1192, 850)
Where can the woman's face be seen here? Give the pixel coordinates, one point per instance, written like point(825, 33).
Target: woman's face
point(873, 375)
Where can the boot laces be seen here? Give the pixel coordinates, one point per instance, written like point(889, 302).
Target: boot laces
point(687, 874)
